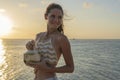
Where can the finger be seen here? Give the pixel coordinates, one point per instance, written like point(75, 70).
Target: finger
point(29, 45)
point(31, 64)
point(32, 42)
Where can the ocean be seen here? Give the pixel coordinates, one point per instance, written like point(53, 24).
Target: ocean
point(94, 59)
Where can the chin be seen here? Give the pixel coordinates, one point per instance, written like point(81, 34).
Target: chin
point(54, 25)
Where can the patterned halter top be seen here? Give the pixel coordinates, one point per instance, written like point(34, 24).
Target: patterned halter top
point(47, 51)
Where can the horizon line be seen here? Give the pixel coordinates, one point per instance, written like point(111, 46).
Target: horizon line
point(68, 38)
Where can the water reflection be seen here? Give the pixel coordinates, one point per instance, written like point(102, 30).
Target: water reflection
point(3, 64)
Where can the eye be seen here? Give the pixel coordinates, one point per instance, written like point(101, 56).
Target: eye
point(52, 16)
point(60, 17)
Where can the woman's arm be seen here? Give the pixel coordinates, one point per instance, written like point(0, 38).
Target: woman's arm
point(30, 45)
point(39, 65)
point(66, 51)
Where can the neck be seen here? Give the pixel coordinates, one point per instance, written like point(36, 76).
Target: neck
point(51, 31)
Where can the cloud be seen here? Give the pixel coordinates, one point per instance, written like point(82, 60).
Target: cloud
point(23, 5)
point(87, 5)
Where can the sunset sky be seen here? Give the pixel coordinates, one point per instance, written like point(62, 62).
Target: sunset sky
point(84, 19)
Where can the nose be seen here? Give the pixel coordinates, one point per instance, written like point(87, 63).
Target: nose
point(56, 20)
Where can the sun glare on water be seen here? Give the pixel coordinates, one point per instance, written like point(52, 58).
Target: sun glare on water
point(5, 24)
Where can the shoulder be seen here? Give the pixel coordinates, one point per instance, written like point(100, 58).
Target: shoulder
point(38, 35)
point(64, 44)
point(63, 39)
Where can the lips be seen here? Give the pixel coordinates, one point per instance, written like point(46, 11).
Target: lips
point(53, 23)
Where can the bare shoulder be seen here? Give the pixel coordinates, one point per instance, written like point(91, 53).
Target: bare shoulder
point(63, 38)
point(38, 35)
point(65, 46)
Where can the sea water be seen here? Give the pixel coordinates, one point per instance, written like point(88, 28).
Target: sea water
point(94, 59)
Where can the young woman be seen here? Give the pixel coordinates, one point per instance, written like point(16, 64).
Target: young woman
point(51, 45)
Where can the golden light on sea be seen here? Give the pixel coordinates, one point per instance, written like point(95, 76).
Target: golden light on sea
point(2, 52)
point(3, 65)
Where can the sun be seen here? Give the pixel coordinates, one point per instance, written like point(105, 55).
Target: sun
point(5, 24)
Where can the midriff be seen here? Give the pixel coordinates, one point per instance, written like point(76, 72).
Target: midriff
point(41, 75)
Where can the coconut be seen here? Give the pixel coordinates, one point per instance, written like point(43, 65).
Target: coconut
point(32, 55)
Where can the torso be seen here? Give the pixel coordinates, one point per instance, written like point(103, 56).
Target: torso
point(53, 53)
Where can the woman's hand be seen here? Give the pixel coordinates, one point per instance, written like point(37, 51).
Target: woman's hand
point(40, 66)
point(43, 66)
point(30, 45)
point(31, 64)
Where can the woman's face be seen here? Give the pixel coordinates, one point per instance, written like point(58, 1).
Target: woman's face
point(54, 18)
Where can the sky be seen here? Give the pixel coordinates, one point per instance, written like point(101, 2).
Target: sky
point(84, 19)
